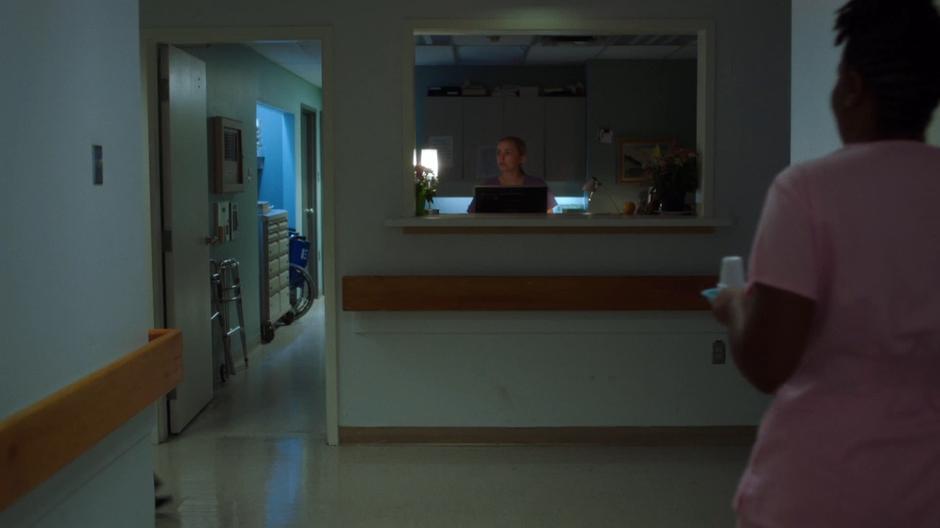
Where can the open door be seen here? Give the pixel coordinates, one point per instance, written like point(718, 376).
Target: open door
point(310, 183)
point(184, 169)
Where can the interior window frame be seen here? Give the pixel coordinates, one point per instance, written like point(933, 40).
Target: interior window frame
point(702, 29)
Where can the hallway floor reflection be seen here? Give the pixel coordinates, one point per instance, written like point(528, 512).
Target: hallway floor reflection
point(256, 457)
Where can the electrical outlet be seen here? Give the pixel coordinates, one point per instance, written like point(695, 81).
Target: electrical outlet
point(719, 354)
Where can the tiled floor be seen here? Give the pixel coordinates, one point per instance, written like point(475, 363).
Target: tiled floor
point(257, 457)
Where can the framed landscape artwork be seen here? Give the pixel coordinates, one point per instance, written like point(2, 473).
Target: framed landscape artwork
point(633, 155)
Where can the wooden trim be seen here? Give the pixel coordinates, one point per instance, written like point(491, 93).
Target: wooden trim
point(432, 293)
point(38, 441)
point(626, 436)
point(578, 230)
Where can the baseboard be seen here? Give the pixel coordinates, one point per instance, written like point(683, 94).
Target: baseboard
point(626, 436)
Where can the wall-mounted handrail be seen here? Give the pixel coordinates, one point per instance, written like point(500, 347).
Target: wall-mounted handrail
point(41, 439)
point(525, 293)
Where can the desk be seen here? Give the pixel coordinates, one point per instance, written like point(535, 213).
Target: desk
point(585, 223)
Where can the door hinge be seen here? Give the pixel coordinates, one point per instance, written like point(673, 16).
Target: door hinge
point(167, 241)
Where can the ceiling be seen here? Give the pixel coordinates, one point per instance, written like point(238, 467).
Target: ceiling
point(516, 50)
point(301, 57)
point(304, 57)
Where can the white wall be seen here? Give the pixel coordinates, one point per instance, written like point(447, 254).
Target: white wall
point(815, 62)
point(404, 375)
point(75, 257)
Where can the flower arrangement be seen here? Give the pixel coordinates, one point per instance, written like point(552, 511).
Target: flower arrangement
point(425, 189)
point(673, 168)
point(674, 173)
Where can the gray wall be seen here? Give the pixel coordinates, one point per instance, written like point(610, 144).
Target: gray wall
point(638, 99)
point(933, 133)
point(237, 78)
point(75, 258)
point(460, 368)
point(815, 61)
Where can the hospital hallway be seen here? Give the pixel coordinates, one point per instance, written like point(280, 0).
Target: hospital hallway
point(257, 457)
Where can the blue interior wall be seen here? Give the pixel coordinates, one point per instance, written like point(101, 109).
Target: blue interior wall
point(271, 182)
point(277, 184)
point(289, 183)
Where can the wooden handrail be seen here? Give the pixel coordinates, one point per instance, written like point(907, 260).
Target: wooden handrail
point(41, 439)
point(441, 293)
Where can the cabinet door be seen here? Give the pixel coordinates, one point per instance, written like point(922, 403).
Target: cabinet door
point(524, 117)
point(565, 139)
point(482, 128)
point(444, 131)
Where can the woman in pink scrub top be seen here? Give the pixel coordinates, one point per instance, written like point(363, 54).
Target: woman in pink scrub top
point(841, 318)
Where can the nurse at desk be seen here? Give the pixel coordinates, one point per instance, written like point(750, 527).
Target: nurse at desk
point(510, 157)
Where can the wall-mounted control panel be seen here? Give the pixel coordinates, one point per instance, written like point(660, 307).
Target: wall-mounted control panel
point(228, 174)
point(225, 221)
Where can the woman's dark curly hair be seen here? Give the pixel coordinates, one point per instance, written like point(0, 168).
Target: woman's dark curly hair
point(895, 46)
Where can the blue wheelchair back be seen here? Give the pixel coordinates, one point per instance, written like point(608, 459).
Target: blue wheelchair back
point(299, 248)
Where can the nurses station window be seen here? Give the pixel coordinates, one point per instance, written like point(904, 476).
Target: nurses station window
point(589, 102)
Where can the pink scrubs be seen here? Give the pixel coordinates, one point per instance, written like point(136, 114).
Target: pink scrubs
point(853, 438)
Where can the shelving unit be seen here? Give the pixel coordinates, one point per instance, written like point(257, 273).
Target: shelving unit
point(274, 269)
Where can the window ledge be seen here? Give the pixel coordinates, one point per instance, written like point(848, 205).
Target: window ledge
point(556, 224)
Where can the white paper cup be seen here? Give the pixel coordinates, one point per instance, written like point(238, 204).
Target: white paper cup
point(732, 273)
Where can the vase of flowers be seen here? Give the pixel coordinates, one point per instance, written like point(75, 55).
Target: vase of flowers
point(425, 189)
point(674, 173)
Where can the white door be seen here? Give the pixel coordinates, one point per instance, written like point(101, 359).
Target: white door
point(185, 172)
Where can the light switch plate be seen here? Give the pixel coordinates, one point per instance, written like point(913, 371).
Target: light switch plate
point(97, 164)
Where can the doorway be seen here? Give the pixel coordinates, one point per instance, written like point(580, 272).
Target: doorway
point(321, 204)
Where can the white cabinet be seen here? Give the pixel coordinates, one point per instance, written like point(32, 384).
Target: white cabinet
point(524, 117)
point(444, 118)
point(273, 238)
point(552, 127)
point(482, 128)
point(565, 139)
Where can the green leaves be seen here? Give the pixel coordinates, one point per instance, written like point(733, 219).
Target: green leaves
point(425, 188)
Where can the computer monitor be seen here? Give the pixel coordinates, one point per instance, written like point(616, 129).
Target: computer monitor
point(499, 199)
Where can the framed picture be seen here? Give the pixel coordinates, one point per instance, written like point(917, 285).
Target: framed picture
point(634, 154)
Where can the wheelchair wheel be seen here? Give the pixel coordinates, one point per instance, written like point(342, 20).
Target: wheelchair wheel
point(301, 291)
point(267, 332)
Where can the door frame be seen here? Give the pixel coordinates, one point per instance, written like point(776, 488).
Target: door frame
point(150, 39)
point(309, 119)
